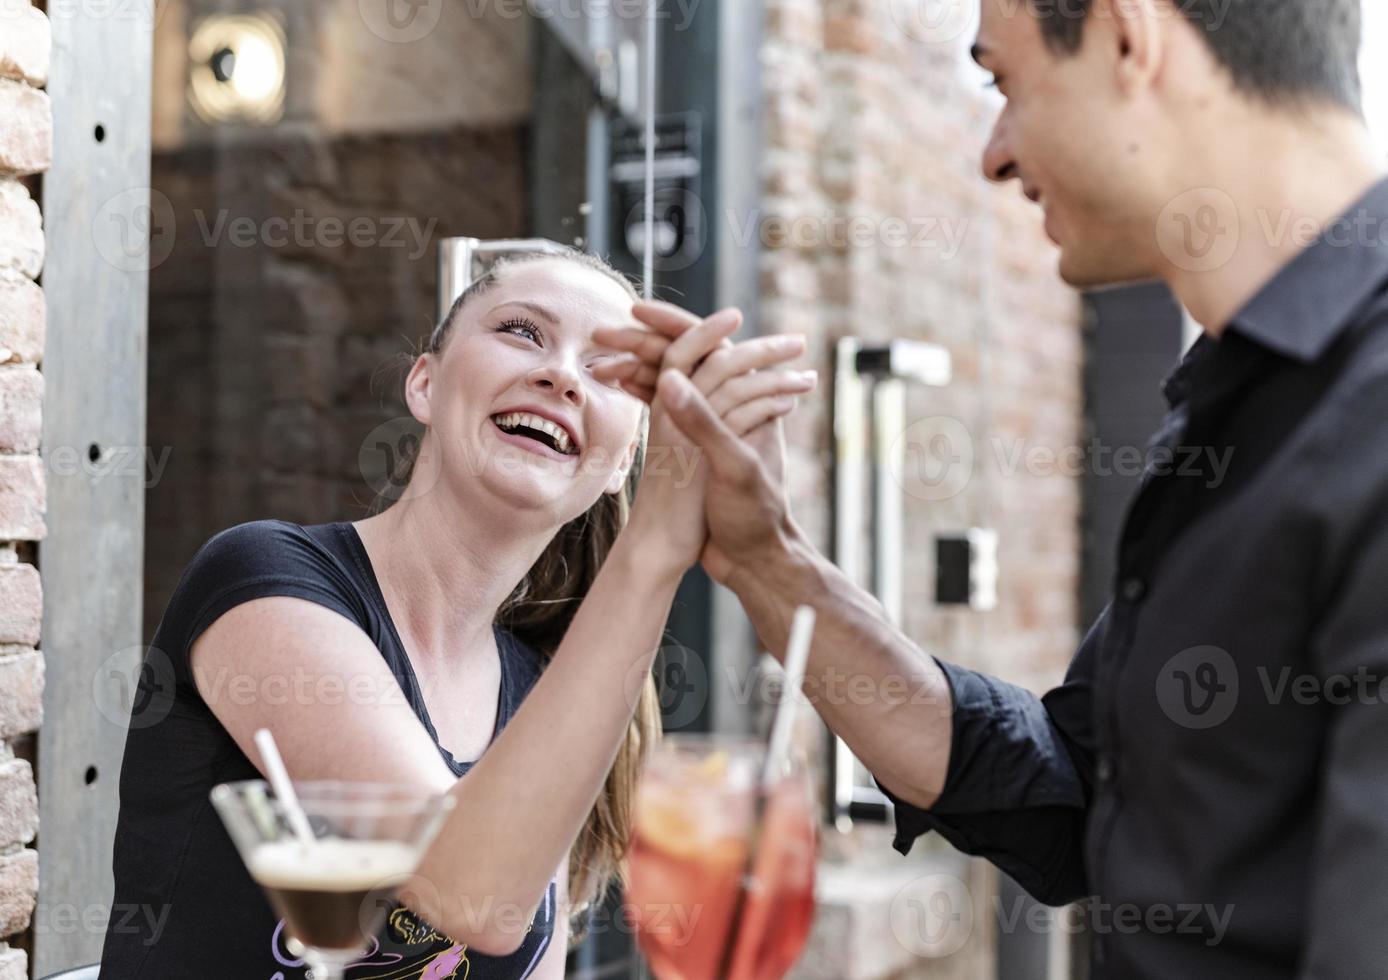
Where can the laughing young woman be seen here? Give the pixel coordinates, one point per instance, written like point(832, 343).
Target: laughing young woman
point(510, 602)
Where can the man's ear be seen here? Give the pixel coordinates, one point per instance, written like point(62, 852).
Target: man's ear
point(619, 476)
point(419, 387)
point(1138, 32)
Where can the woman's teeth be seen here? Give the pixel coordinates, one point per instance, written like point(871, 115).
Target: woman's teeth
point(558, 437)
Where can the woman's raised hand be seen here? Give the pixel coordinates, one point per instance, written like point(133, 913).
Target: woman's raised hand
point(748, 384)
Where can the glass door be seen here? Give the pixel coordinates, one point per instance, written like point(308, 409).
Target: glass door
point(308, 158)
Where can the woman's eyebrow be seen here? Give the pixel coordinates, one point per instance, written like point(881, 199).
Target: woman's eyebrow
point(535, 308)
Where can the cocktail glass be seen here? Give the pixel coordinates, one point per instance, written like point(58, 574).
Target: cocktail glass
point(333, 891)
point(721, 884)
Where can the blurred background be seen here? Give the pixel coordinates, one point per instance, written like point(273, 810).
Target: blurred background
point(220, 233)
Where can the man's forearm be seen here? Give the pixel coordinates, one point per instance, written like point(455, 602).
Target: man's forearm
point(885, 697)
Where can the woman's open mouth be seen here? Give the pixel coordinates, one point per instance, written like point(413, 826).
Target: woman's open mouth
point(535, 434)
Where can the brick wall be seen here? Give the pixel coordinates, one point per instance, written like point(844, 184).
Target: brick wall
point(26, 144)
point(876, 223)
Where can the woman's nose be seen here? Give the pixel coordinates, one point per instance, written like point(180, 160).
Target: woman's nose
point(559, 374)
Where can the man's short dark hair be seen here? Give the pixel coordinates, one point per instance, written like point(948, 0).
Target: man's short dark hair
point(1283, 51)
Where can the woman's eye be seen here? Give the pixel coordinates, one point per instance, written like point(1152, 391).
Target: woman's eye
point(521, 328)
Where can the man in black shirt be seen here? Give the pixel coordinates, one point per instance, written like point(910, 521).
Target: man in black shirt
point(1211, 773)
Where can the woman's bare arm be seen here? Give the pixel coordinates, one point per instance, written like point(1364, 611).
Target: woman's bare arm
point(319, 683)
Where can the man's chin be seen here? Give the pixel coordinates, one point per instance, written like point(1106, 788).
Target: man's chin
point(1085, 270)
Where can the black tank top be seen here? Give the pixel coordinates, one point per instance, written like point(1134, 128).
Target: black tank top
point(184, 904)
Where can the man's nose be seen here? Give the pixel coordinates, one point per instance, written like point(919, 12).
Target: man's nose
point(998, 163)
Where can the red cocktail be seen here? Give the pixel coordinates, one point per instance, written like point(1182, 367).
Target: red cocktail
point(702, 912)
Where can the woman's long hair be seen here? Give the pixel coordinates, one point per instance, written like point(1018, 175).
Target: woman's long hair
point(540, 609)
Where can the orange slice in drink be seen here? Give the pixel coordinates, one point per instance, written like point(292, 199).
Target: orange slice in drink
point(664, 825)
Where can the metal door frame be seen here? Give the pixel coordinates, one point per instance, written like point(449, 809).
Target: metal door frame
point(99, 227)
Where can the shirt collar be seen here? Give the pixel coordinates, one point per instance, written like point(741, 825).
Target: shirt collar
point(1176, 387)
point(1311, 300)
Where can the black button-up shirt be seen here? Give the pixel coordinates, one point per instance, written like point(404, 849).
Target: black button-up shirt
point(1212, 776)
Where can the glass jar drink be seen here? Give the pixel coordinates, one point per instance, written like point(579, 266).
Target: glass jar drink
point(710, 901)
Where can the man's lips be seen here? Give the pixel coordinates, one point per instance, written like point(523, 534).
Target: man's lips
point(529, 444)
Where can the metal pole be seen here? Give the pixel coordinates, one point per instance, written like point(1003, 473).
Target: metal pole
point(881, 371)
point(463, 260)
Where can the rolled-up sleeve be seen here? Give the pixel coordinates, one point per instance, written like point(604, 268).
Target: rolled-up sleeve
point(1020, 776)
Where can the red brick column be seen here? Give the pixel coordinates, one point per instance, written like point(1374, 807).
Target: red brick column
point(26, 145)
point(876, 223)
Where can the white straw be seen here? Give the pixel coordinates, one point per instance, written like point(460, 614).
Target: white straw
point(284, 789)
point(797, 656)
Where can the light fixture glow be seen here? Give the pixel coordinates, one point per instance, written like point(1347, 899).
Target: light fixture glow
point(237, 69)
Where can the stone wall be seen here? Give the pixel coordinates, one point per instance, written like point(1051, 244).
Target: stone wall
point(26, 145)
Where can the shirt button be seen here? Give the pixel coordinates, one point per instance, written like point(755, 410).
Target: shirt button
point(1106, 769)
point(1134, 589)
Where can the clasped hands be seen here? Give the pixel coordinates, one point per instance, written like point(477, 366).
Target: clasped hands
point(728, 401)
